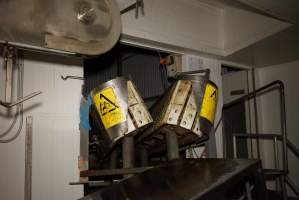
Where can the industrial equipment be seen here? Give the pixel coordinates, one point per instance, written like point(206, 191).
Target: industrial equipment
point(125, 140)
point(86, 27)
point(121, 110)
point(186, 112)
point(203, 179)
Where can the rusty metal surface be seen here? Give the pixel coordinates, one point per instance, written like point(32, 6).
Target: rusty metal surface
point(184, 179)
point(88, 27)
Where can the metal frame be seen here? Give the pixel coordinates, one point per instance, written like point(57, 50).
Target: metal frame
point(286, 144)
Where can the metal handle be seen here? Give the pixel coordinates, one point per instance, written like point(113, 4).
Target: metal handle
point(71, 77)
point(9, 105)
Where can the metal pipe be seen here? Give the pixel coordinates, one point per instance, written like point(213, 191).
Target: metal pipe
point(252, 94)
point(113, 172)
point(144, 157)
point(37, 49)
point(113, 159)
point(72, 77)
point(249, 113)
point(248, 191)
point(9, 75)
point(283, 113)
point(283, 127)
point(290, 145)
point(292, 185)
point(9, 105)
point(128, 152)
point(276, 164)
point(172, 146)
point(28, 159)
point(235, 146)
point(256, 117)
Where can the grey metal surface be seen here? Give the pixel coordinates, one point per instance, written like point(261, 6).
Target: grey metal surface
point(144, 158)
point(28, 158)
point(113, 172)
point(199, 81)
point(113, 159)
point(81, 26)
point(128, 152)
point(187, 179)
point(126, 115)
point(172, 146)
point(119, 85)
point(175, 112)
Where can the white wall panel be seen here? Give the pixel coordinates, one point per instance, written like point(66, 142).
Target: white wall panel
point(270, 113)
point(187, 24)
point(55, 131)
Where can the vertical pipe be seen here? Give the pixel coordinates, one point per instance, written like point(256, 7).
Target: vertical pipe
point(235, 146)
point(28, 159)
point(172, 146)
point(113, 159)
point(8, 79)
point(256, 116)
point(283, 187)
point(283, 128)
point(248, 191)
point(284, 140)
point(249, 118)
point(128, 152)
point(276, 159)
point(144, 157)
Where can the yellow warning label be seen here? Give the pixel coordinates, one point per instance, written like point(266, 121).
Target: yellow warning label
point(209, 103)
point(109, 108)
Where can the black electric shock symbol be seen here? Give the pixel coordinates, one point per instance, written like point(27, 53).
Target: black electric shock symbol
point(107, 105)
point(214, 95)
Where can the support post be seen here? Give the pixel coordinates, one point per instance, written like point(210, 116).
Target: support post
point(144, 157)
point(128, 152)
point(172, 146)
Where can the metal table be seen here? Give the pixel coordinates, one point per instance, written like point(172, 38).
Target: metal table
point(192, 179)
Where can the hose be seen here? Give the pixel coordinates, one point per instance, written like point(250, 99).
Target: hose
point(19, 111)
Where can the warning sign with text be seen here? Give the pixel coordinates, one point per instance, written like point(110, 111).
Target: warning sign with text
point(108, 107)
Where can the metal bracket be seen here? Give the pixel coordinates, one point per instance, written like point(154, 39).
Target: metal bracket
point(9, 105)
point(71, 77)
point(9, 58)
point(10, 54)
point(136, 6)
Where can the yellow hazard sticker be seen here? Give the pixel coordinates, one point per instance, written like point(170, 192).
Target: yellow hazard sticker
point(109, 107)
point(209, 103)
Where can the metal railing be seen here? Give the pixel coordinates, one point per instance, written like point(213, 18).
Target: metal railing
point(286, 144)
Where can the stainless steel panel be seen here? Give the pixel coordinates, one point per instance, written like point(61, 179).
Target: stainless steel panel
point(131, 104)
point(88, 27)
point(176, 112)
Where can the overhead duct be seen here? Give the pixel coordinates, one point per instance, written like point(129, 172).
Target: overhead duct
point(87, 27)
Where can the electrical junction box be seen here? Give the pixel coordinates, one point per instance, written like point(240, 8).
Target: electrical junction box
point(183, 63)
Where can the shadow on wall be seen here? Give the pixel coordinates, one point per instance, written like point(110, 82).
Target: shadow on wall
point(280, 48)
point(10, 113)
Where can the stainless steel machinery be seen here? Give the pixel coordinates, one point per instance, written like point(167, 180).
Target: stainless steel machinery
point(87, 27)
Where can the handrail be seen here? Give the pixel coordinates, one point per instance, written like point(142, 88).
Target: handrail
point(252, 94)
point(282, 107)
point(292, 185)
point(292, 147)
point(269, 136)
